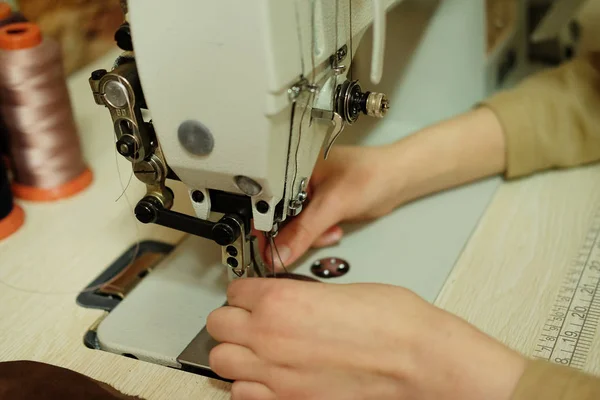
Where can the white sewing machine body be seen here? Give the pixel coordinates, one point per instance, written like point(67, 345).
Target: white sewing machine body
point(243, 98)
point(233, 67)
point(230, 66)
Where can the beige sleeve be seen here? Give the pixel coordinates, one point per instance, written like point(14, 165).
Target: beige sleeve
point(545, 381)
point(552, 119)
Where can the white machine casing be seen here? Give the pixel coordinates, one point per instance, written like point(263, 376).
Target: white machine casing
point(230, 65)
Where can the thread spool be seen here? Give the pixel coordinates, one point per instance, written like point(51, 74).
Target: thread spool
point(7, 16)
point(11, 215)
point(45, 151)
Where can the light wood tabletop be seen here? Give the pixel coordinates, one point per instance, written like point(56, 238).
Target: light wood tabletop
point(504, 281)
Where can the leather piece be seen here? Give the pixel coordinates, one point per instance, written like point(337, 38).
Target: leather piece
point(28, 380)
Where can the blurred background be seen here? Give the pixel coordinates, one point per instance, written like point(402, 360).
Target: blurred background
point(85, 28)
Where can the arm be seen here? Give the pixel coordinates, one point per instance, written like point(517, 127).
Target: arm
point(550, 120)
point(449, 154)
point(363, 183)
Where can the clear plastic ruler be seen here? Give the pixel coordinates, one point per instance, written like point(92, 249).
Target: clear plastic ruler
point(568, 333)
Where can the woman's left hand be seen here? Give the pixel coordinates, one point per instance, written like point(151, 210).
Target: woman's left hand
point(284, 339)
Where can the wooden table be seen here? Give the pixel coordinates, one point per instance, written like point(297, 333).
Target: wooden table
point(510, 269)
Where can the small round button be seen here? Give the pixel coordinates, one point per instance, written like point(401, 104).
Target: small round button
point(331, 267)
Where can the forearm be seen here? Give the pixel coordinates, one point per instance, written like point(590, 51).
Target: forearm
point(551, 120)
point(448, 154)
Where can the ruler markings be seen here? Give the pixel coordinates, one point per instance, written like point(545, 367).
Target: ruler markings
point(587, 315)
point(569, 330)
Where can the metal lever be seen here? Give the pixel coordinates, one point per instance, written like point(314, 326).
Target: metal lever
point(338, 128)
point(225, 232)
point(379, 27)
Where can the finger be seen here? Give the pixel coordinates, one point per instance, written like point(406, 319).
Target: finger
point(244, 390)
point(297, 236)
point(246, 293)
point(229, 324)
point(331, 237)
point(231, 361)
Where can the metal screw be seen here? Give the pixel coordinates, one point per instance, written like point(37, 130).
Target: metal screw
point(294, 92)
point(302, 196)
point(197, 196)
point(342, 52)
point(126, 146)
point(339, 56)
point(339, 70)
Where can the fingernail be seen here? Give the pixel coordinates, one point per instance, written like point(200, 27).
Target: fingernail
point(281, 254)
point(329, 238)
point(333, 237)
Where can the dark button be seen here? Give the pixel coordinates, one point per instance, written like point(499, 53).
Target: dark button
point(123, 37)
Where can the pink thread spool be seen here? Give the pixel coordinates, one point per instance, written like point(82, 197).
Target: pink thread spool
point(45, 150)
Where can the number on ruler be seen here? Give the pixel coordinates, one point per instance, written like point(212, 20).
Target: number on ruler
point(567, 335)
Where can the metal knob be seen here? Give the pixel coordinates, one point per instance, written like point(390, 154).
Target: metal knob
point(127, 146)
point(377, 105)
point(226, 231)
point(145, 211)
point(351, 101)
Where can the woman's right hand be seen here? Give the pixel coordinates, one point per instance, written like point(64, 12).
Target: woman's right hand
point(353, 184)
point(363, 183)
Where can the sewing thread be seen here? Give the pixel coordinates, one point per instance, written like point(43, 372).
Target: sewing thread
point(45, 151)
point(7, 16)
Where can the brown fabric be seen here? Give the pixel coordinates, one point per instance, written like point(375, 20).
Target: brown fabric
point(552, 119)
point(545, 381)
point(27, 380)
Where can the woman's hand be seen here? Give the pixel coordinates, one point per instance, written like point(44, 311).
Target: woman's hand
point(283, 339)
point(362, 183)
point(353, 184)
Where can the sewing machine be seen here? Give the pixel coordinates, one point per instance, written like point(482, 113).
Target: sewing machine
point(238, 100)
point(244, 112)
